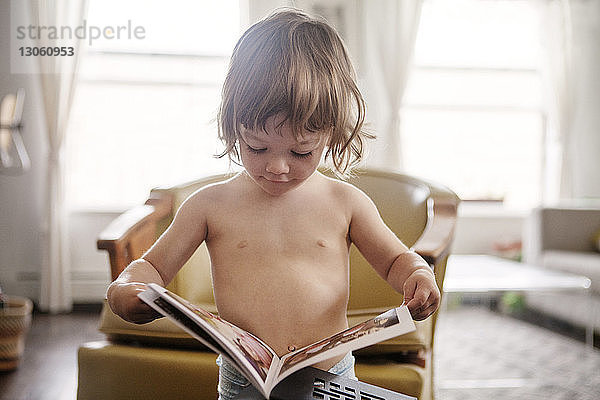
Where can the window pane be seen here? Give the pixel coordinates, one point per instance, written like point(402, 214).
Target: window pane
point(472, 112)
point(175, 26)
point(125, 140)
point(478, 33)
point(480, 155)
point(475, 88)
point(144, 110)
point(136, 68)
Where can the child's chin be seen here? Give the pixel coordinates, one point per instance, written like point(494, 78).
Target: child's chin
point(276, 188)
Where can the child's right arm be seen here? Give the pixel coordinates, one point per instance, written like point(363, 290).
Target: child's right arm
point(161, 262)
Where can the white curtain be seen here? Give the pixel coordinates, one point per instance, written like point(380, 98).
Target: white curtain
point(389, 31)
point(559, 83)
point(57, 75)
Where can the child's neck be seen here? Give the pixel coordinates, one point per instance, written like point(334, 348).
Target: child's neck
point(254, 188)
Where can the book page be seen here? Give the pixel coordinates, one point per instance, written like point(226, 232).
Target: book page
point(242, 348)
point(392, 323)
point(253, 350)
point(183, 319)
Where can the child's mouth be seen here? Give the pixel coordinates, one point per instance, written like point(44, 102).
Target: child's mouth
point(276, 181)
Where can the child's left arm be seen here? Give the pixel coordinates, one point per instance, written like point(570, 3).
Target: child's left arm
point(402, 268)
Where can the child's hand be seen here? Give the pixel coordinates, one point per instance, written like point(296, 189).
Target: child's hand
point(421, 294)
point(123, 300)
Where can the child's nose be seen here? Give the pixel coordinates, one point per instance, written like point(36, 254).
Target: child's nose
point(277, 166)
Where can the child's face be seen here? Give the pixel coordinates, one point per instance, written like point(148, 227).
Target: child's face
point(276, 161)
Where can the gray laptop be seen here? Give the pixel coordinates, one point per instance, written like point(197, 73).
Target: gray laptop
point(314, 384)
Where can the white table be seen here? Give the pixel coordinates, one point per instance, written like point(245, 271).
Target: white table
point(489, 274)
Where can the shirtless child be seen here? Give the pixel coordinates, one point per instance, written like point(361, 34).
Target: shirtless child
point(276, 229)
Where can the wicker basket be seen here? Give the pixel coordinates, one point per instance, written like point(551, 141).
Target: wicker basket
point(15, 319)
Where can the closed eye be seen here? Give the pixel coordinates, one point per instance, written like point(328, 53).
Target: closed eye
point(302, 155)
point(253, 150)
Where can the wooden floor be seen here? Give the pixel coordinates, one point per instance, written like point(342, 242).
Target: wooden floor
point(48, 370)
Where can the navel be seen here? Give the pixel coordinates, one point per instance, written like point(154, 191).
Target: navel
point(321, 243)
point(242, 244)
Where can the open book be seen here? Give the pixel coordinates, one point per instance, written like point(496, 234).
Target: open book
point(254, 358)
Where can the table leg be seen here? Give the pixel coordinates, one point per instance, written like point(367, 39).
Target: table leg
point(591, 318)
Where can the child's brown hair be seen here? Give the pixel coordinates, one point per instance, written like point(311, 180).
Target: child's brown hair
point(293, 64)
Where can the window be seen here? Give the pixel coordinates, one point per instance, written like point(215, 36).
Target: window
point(472, 116)
point(144, 112)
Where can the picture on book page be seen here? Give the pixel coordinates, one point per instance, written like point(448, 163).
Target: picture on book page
point(369, 327)
point(253, 349)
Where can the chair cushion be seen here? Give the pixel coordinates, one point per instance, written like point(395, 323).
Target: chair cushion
point(413, 342)
point(575, 308)
point(113, 371)
point(403, 378)
point(160, 332)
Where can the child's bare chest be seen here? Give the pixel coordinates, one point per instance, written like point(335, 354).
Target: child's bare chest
point(304, 229)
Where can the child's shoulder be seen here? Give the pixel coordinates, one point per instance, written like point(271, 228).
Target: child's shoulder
point(343, 190)
point(213, 192)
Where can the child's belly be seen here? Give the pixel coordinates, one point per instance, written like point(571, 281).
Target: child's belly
point(286, 303)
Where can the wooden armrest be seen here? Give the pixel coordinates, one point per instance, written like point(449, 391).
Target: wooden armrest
point(134, 231)
point(434, 243)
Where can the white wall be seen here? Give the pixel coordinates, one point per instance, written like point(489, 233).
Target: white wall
point(22, 197)
point(479, 228)
point(90, 271)
point(586, 126)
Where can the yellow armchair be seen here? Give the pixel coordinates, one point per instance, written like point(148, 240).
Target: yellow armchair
point(160, 360)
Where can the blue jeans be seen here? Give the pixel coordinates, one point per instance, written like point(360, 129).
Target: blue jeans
point(231, 382)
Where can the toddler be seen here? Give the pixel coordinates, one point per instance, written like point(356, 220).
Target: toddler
point(274, 230)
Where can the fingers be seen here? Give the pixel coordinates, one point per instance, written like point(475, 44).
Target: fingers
point(417, 303)
point(422, 314)
point(124, 302)
point(423, 304)
point(421, 295)
point(143, 314)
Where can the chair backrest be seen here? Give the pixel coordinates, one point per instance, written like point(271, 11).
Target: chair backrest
point(193, 281)
point(402, 202)
point(569, 229)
